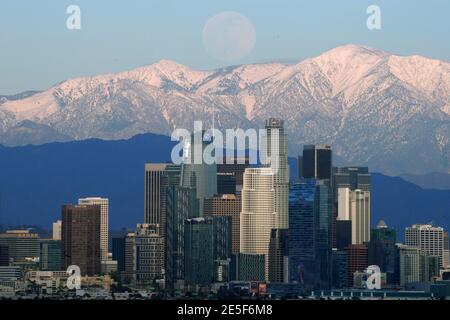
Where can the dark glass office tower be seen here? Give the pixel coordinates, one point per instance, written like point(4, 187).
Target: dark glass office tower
point(222, 230)
point(118, 252)
point(81, 238)
point(382, 251)
point(323, 228)
point(302, 267)
point(199, 251)
point(226, 205)
point(316, 162)
point(251, 267)
point(226, 183)
point(222, 226)
point(4, 255)
point(340, 267)
point(50, 259)
point(310, 217)
point(343, 234)
point(230, 175)
point(278, 255)
point(182, 204)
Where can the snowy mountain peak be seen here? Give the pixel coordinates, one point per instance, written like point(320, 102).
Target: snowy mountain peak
point(369, 104)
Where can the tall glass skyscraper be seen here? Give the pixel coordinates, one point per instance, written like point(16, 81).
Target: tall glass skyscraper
point(310, 217)
point(182, 203)
point(199, 251)
point(323, 233)
point(316, 162)
point(205, 175)
point(278, 255)
point(383, 251)
point(301, 232)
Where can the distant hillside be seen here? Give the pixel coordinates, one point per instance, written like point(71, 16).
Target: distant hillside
point(36, 180)
point(433, 180)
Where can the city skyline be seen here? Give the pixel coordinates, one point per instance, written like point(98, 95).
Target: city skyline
point(224, 156)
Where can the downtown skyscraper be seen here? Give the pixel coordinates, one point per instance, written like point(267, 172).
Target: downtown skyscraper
point(265, 194)
point(104, 221)
point(195, 172)
point(354, 206)
point(81, 243)
point(275, 146)
point(258, 213)
point(316, 162)
point(310, 218)
point(428, 238)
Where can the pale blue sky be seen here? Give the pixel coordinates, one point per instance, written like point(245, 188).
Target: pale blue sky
point(38, 51)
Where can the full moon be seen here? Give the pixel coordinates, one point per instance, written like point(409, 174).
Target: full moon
point(229, 36)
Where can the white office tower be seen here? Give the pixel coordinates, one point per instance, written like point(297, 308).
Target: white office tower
point(56, 230)
point(258, 213)
point(274, 145)
point(104, 224)
point(428, 238)
point(195, 172)
point(354, 205)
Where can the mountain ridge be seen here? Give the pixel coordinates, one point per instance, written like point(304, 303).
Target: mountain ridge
point(376, 108)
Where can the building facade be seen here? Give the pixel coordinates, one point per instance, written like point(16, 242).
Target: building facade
point(258, 213)
point(50, 259)
point(199, 251)
point(226, 205)
point(357, 260)
point(81, 241)
point(354, 205)
point(22, 245)
point(317, 161)
point(195, 172)
point(383, 251)
point(302, 253)
point(104, 221)
point(428, 238)
point(56, 230)
point(278, 255)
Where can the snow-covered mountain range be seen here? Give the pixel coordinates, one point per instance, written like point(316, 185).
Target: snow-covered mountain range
point(387, 111)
